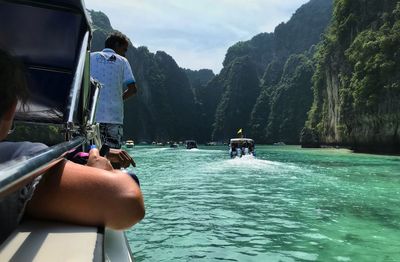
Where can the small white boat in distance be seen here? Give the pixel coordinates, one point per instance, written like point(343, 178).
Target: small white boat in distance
point(129, 143)
point(239, 147)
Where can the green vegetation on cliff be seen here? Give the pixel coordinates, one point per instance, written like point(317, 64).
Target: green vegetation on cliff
point(241, 88)
point(357, 81)
point(291, 101)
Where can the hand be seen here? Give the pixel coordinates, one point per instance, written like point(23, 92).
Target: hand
point(120, 158)
point(97, 161)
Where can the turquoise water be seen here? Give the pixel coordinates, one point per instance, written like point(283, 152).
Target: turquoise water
point(288, 204)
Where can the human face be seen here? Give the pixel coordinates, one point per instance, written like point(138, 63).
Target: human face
point(121, 49)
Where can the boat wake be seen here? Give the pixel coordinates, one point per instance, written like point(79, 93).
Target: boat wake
point(249, 162)
point(150, 151)
point(207, 151)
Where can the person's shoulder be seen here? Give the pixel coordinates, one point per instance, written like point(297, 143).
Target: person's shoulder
point(118, 57)
point(11, 150)
point(29, 147)
point(125, 62)
point(121, 58)
point(24, 144)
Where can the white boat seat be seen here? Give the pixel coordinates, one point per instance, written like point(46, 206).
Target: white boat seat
point(47, 241)
point(50, 241)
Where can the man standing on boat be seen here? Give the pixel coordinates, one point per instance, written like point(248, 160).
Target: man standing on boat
point(112, 70)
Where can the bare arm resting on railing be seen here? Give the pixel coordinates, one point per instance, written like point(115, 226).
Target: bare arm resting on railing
point(89, 196)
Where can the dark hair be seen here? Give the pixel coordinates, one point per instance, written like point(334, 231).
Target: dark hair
point(116, 39)
point(13, 86)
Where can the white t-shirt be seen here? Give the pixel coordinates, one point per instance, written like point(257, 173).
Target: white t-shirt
point(114, 73)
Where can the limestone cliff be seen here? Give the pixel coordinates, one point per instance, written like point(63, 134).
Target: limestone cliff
point(357, 81)
point(277, 108)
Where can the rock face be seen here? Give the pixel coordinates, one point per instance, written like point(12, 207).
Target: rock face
point(281, 63)
point(292, 98)
point(241, 88)
point(309, 138)
point(333, 106)
point(357, 80)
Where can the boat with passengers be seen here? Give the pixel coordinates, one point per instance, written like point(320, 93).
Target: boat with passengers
point(239, 147)
point(190, 144)
point(52, 38)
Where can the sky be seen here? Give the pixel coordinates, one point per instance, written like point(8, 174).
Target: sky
point(196, 33)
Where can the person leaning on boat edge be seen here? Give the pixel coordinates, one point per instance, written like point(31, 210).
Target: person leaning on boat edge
point(92, 195)
point(113, 71)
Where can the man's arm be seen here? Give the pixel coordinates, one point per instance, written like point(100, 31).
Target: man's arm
point(87, 196)
point(131, 91)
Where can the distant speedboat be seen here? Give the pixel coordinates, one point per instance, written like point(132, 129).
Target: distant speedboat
point(279, 144)
point(190, 144)
point(173, 145)
point(239, 147)
point(129, 143)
